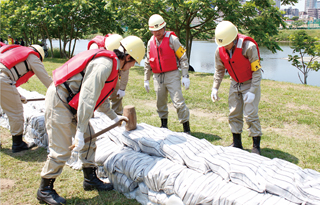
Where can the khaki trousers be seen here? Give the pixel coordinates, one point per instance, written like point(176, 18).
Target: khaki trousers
point(170, 82)
point(238, 109)
point(61, 128)
point(11, 104)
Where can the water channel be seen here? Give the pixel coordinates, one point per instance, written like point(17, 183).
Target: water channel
point(275, 65)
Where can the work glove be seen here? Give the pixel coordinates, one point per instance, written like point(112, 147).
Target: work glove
point(23, 99)
point(79, 141)
point(186, 82)
point(120, 93)
point(214, 95)
point(146, 85)
point(118, 118)
point(248, 97)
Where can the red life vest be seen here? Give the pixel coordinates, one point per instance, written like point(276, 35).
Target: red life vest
point(78, 63)
point(239, 67)
point(2, 44)
point(163, 58)
point(11, 55)
point(99, 40)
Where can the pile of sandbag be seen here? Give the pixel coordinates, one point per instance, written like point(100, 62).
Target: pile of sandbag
point(158, 166)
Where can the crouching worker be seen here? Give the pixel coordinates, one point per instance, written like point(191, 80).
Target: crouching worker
point(80, 86)
point(111, 42)
point(17, 65)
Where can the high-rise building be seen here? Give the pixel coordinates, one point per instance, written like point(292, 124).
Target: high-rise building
point(310, 4)
point(318, 5)
point(278, 3)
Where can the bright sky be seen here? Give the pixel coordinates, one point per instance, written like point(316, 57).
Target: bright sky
point(299, 5)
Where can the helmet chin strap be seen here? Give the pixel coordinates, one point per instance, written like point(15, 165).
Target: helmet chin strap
point(125, 62)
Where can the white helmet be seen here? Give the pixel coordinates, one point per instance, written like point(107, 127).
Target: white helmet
point(134, 47)
point(225, 33)
point(93, 46)
point(39, 49)
point(112, 42)
point(156, 22)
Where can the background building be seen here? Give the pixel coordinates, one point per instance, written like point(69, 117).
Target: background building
point(310, 4)
point(278, 3)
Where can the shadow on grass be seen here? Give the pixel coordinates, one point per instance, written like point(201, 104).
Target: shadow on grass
point(272, 153)
point(37, 154)
point(209, 137)
point(202, 74)
point(104, 197)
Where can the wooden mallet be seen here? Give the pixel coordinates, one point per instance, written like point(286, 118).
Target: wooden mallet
point(100, 132)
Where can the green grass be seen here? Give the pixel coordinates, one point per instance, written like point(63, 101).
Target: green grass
point(289, 115)
point(284, 34)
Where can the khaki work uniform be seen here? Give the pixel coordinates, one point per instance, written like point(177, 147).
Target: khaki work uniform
point(169, 82)
point(10, 97)
point(116, 103)
point(237, 108)
point(62, 125)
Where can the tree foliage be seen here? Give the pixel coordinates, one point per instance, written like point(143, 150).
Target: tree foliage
point(69, 21)
point(197, 19)
point(64, 20)
point(309, 53)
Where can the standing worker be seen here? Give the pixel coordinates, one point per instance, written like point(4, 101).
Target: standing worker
point(165, 55)
point(17, 65)
point(111, 42)
point(239, 54)
point(10, 40)
point(21, 42)
point(70, 103)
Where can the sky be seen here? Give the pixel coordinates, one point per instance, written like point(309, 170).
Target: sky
point(299, 5)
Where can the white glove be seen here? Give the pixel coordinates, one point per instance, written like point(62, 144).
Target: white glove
point(79, 141)
point(23, 99)
point(248, 97)
point(186, 82)
point(214, 95)
point(146, 85)
point(121, 93)
point(118, 118)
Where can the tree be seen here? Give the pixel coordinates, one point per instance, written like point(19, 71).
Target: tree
point(65, 20)
point(197, 19)
point(309, 53)
point(297, 23)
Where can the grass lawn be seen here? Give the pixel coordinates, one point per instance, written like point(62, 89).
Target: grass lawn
point(289, 115)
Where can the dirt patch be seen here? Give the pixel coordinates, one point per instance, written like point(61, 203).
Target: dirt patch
point(295, 107)
point(295, 130)
point(196, 112)
point(6, 184)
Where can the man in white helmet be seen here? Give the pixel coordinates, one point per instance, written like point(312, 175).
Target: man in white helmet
point(165, 55)
point(81, 86)
point(15, 71)
point(111, 42)
point(239, 54)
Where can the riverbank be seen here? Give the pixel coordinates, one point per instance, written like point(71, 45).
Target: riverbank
point(289, 115)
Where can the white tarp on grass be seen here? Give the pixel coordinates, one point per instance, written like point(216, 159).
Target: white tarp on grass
point(155, 165)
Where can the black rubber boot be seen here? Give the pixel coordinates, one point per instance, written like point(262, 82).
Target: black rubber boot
point(186, 127)
point(236, 141)
point(19, 145)
point(256, 145)
point(47, 194)
point(91, 181)
point(164, 123)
